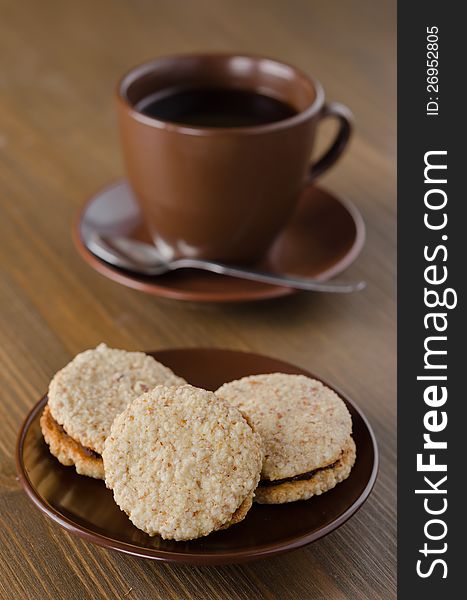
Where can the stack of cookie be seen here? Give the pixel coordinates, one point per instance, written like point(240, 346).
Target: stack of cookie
point(85, 397)
point(183, 462)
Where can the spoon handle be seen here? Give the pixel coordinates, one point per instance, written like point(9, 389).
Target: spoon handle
point(300, 283)
point(143, 258)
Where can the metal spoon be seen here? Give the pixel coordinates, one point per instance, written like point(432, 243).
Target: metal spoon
point(145, 259)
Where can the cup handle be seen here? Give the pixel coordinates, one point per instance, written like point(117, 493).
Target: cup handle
point(345, 117)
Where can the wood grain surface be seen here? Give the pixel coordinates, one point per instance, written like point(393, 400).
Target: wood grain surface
point(59, 61)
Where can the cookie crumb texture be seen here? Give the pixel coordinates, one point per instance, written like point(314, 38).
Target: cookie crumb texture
point(304, 425)
point(181, 462)
point(97, 385)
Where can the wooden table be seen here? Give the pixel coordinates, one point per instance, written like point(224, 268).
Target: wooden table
point(58, 143)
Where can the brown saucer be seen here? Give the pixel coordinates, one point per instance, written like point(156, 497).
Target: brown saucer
point(85, 507)
point(323, 238)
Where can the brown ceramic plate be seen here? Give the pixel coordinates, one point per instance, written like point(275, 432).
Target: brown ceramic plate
point(323, 238)
point(85, 507)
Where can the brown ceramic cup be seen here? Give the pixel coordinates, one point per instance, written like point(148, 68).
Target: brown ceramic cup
point(223, 193)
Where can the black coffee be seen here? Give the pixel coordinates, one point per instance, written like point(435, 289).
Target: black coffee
point(209, 107)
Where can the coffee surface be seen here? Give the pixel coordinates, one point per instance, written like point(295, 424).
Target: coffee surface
point(212, 107)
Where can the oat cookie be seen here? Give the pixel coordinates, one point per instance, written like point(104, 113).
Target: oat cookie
point(181, 463)
point(304, 427)
point(86, 395)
